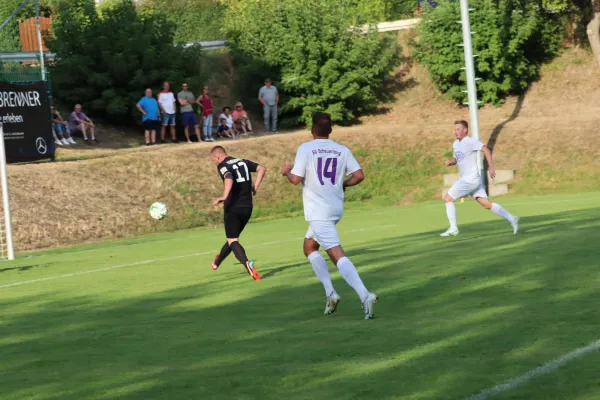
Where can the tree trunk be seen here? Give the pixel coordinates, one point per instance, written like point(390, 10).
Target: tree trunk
point(593, 31)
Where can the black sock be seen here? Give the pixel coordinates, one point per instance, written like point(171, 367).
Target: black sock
point(239, 252)
point(225, 251)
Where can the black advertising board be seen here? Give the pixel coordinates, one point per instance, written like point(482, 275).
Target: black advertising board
point(25, 118)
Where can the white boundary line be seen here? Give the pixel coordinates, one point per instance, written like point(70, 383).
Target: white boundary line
point(50, 278)
point(550, 366)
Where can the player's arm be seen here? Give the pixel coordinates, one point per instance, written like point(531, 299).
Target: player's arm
point(488, 156)
point(356, 178)
point(295, 173)
point(260, 174)
point(227, 185)
point(451, 162)
point(355, 171)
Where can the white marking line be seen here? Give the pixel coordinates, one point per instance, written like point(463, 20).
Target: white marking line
point(534, 373)
point(168, 259)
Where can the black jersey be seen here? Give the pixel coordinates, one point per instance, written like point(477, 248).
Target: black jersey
point(239, 171)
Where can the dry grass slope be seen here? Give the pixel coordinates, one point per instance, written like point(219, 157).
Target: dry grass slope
point(545, 135)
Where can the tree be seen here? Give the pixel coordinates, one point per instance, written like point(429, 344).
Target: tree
point(512, 40)
point(323, 64)
point(593, 30)
point(106, 62)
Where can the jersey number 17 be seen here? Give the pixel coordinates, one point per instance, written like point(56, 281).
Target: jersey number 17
point(327, 171)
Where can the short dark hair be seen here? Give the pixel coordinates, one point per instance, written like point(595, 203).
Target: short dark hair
point(268, 80)
point(226, 108)
point(218, 149)
point(321, 124)
point(462, 122)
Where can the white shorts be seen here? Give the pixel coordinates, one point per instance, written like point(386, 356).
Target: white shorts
point(324, 232)
point(463, 188)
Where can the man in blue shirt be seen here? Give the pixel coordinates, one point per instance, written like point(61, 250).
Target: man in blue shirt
point(148, 106)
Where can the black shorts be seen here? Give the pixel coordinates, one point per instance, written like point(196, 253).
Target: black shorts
point(151, 124)
point(235, 221)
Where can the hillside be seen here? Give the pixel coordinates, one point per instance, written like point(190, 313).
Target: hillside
point(547, 135)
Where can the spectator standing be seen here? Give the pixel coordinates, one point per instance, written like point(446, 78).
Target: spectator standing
point(241, 120)
point(148, 106)
point(82, 124)
point(60, 129)
point(167, 104)
point(269, 97)
point(206, 103)
point(188, 118)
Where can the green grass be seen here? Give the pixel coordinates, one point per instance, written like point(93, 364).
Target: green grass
point(456, 316)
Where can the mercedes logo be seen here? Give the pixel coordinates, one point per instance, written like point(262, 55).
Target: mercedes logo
point(40, 145)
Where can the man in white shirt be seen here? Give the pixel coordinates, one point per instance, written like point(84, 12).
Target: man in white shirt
point(166, 102)
point(321, 166)
point(465, 150)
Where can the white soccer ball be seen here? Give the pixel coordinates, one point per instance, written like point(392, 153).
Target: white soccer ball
point(158, 210)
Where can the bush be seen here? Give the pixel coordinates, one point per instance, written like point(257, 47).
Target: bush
point(194, 20)
point(323, 65)
point(512, 40)
point(106, 62)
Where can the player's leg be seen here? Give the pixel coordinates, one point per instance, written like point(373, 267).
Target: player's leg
point(235, 222)
point(319, 265)
point(457, 191)
point(223, 254)
point(327, 236)
point(481, 197)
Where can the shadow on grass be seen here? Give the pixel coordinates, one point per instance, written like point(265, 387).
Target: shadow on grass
point(457, 315)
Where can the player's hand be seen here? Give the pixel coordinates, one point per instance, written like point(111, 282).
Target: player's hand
point(286, 169)
point(218, 201)
point(448, 163)
point(492, 172)
point(254, 190)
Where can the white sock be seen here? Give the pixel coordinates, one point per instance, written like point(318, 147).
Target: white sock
point(320, 267)
point(350, 275)
point(500, 211)
point(451, 213)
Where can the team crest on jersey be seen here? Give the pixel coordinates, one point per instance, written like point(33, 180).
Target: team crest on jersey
point(459, 155)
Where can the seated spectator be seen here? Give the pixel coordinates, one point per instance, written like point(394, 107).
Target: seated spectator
point(228, 117)
point(60, 129)
point(81, 124)
point(225, 131)
point(241, 120)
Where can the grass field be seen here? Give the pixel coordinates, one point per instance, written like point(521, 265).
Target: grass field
point(148, 318)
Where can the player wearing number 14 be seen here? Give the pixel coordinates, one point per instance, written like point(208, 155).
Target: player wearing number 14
point(321, 166)
point(237, 203)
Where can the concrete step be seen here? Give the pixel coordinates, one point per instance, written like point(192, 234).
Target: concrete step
point(498, 189)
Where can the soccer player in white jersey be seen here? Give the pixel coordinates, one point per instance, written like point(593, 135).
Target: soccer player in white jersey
point(321, 165)
point(465, 150)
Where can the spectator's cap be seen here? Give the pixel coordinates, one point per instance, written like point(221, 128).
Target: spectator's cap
point(267, 79)
point(239, 104)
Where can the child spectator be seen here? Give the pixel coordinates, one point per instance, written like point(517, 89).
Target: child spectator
point(60, 128)
point(225, 131)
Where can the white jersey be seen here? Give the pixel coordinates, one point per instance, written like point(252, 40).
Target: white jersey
point(465, 152)
point(323, 164)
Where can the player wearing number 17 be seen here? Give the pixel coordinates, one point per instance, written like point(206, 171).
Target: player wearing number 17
point(321, 166)
point(237, 203)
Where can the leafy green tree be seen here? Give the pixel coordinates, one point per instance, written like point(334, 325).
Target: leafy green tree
point(194, 20)
point(106, 62)
point(511, 41)
point(322, 64)
point(9, 35)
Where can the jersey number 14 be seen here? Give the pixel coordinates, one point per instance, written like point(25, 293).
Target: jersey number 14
point(327, 171)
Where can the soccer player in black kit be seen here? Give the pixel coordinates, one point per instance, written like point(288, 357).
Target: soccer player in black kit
point(237, 203)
